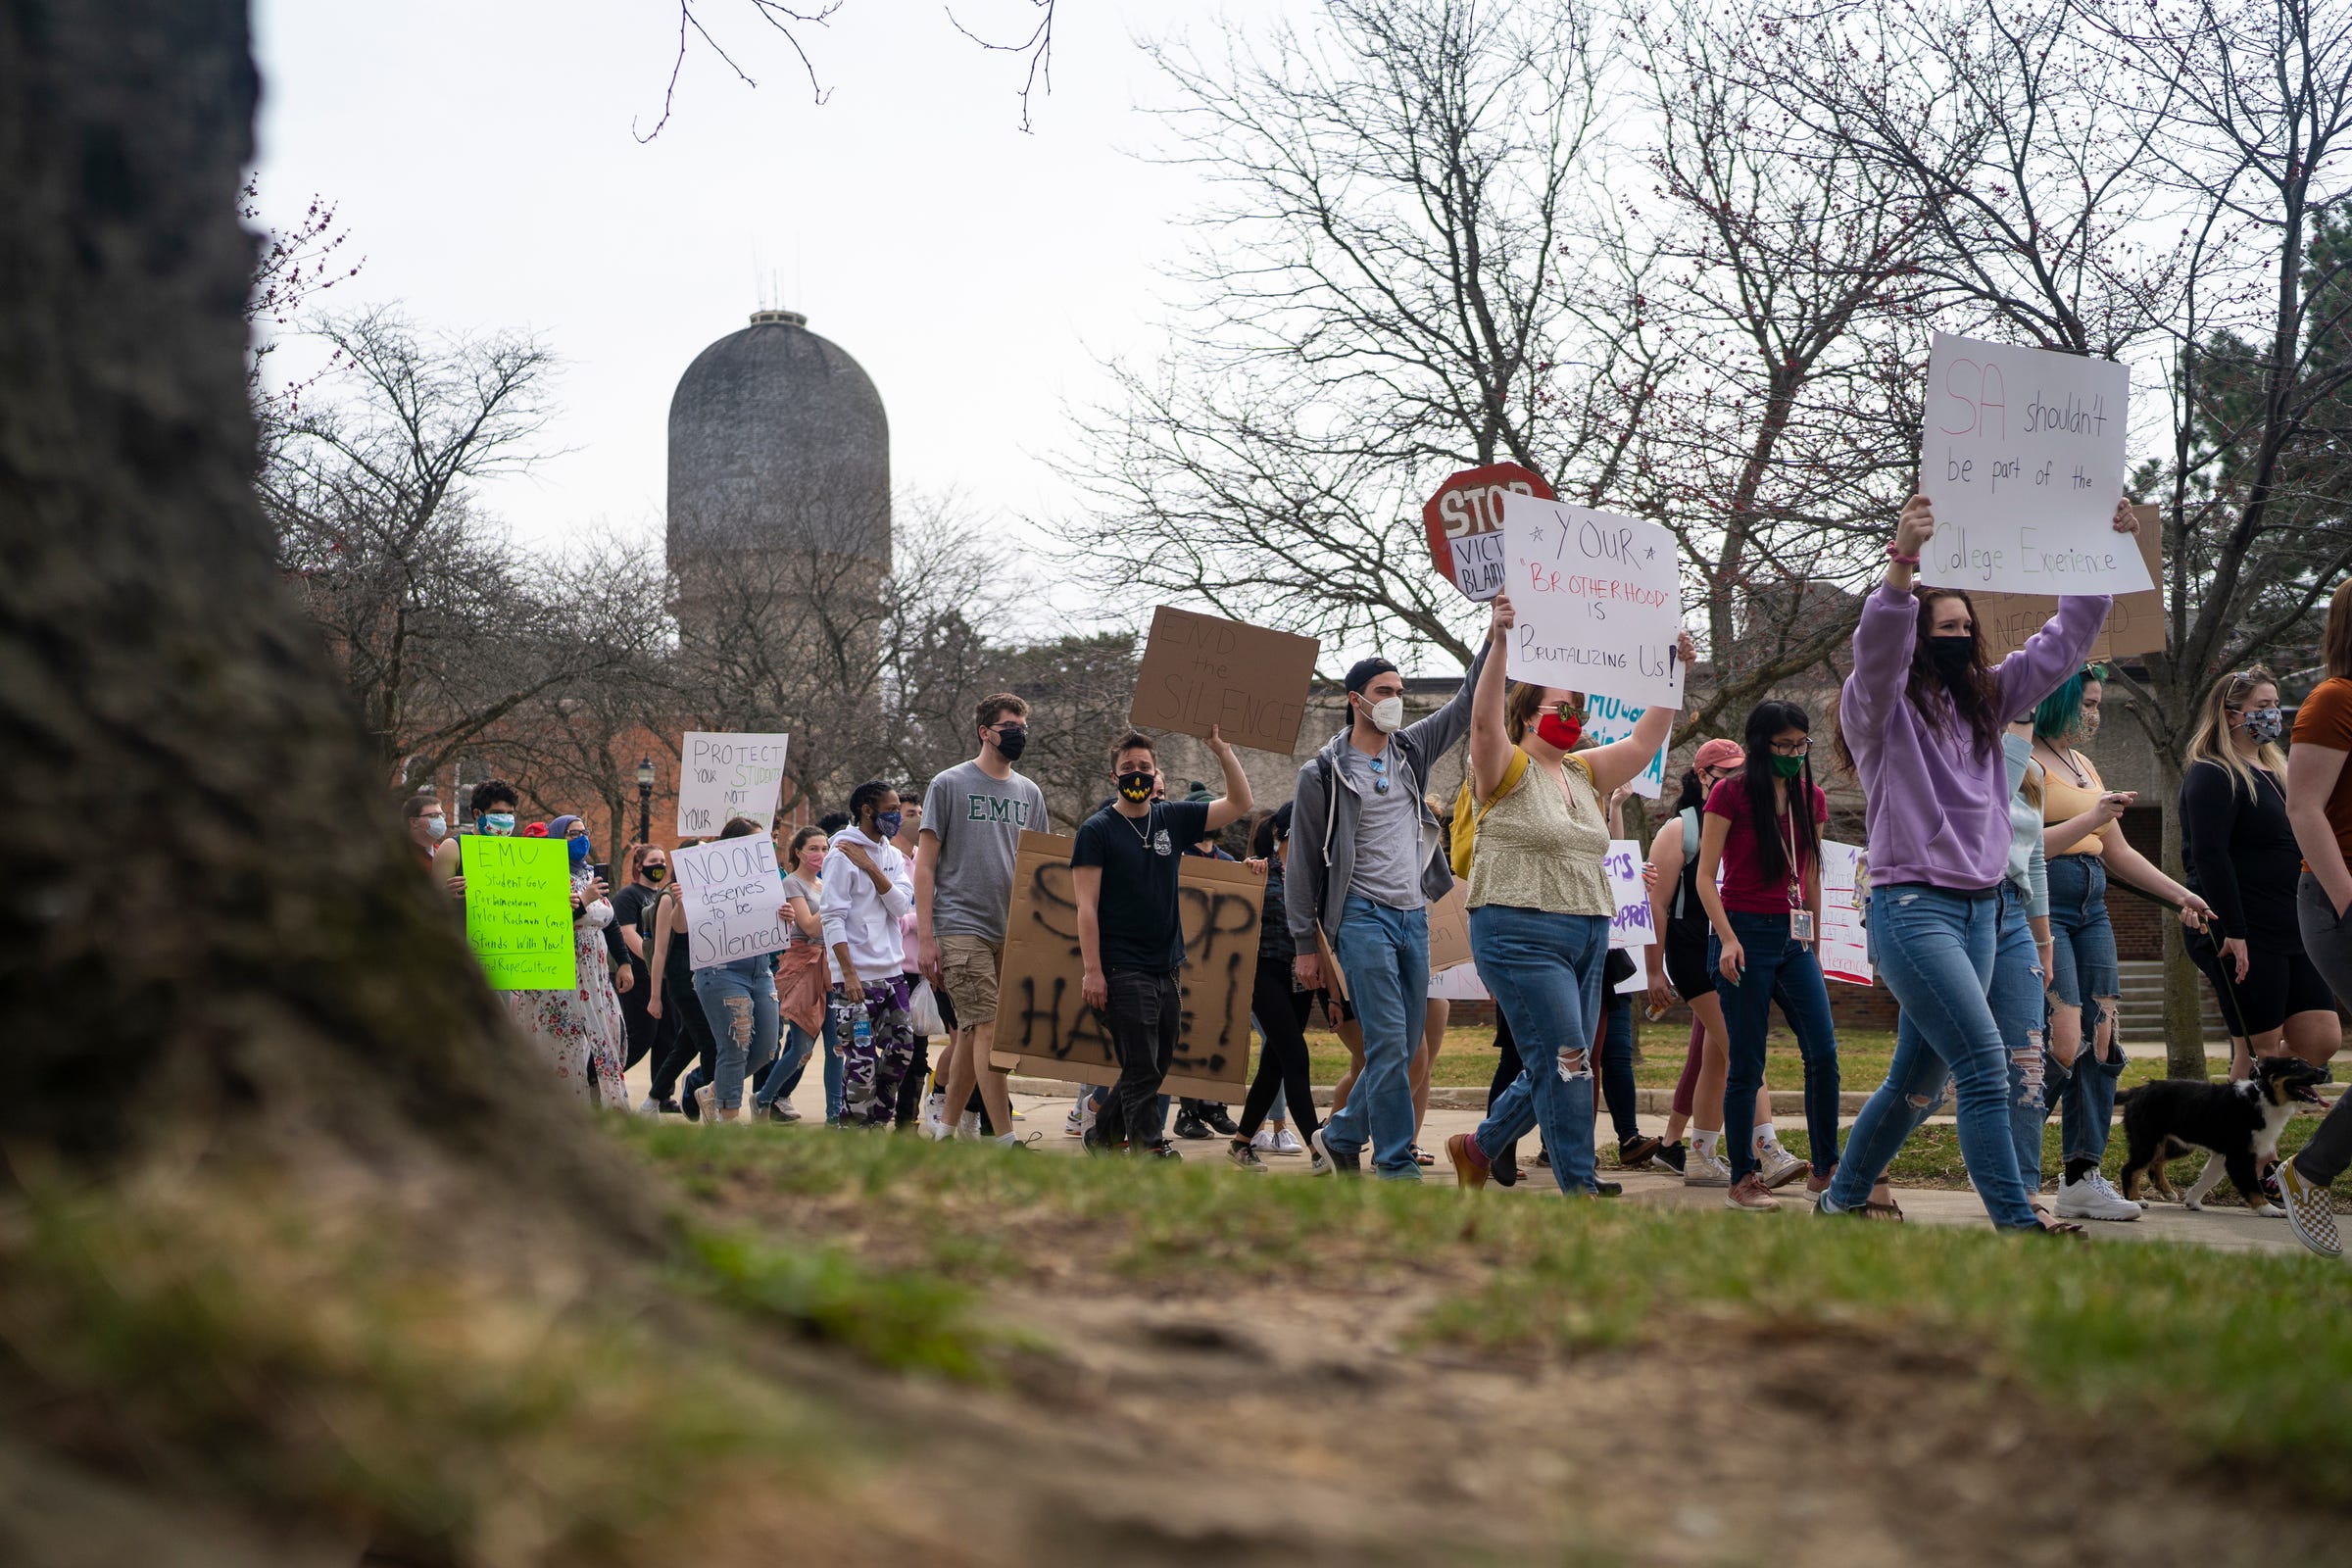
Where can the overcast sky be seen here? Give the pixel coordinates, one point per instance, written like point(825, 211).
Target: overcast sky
point(481, 158)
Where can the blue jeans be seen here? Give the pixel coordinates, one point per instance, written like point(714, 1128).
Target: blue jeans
point(784, 1079)
point(2021, 1007)
point(1779, 969)
point(739, 1001)
point(1385, 954)
point(1543, 971)
point(1935, 949)
point(2085, 974)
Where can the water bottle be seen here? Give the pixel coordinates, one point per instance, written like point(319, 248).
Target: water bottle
point(862, 1027)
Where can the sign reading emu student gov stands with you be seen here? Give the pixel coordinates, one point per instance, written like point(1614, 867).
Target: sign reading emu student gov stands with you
point(733, 897)
point(1599, 602)
point(1199, 671)
point(2021, 451)
point(1464, 519)
point(518, 911)
point(723, 776)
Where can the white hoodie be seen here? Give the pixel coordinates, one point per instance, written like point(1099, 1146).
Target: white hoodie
point(852, 912)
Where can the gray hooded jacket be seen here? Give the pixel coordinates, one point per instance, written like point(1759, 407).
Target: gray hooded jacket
point(1321, 865)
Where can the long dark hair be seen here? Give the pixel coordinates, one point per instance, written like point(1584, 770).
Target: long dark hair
point(1693, 792)
point(1976, 697)
point(1764, 721)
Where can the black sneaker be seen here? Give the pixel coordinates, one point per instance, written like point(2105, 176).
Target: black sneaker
point(1635, 1152)
point(1242, 1155)
point(1505, 1172)
point(687, 1106)
point(1671, 1156)
point(1163, 1149)
point(1601, 1189)
point(1216, 1117)
point(1543, 1158)
point(1189, 1125)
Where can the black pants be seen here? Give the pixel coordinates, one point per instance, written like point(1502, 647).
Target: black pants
point(1507, 1068)
point(690, 1038)
point(1145, 1012)
point(648, 1035)
point(1281, 1014)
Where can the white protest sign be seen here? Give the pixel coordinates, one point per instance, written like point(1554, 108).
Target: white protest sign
point(732, 893)
point(723, 776)
point(2021, 451)
point(1459, 984)
point(1844, 949)
point(1612, 718)
point(1633, 926)
point(1598, 599)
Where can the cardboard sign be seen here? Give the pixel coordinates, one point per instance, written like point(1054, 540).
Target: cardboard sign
point(2022, 451)
point(1465, 522)
point(1633, 926)
point(1200, 671)
point(1043, 1022)
point(730, 892)
point(519, 912)
point(1599, 602)
point(1612, 718)
point(1450, 930)
point(723, 776)
point(1334, 978)
point(2135, 625)
point(1844, 948)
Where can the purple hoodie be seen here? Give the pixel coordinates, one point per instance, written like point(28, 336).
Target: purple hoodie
point(1936, 812)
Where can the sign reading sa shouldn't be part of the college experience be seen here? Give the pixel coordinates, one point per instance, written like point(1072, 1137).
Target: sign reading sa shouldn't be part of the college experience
point(732, 893)
point(1598, 599)
point(723, 776)
point(1200, 671)
point(518, 911)
point(2021, 451)
point(1465, 522)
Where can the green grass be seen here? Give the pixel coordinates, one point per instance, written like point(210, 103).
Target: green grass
point(2235, 1357)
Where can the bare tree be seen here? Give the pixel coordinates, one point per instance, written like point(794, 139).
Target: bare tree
point(296, 266)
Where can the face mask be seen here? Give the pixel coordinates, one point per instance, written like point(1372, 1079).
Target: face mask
point(1387, 714)
point(1952, 655)
point(497, 824)
point(2264, 724)
point(577, 848)
point(888, 824)
point(438, 826)
point(1135, 787)
point(1788, 767)
point(654, 874)
point(1559, 732)
point(1012, 741)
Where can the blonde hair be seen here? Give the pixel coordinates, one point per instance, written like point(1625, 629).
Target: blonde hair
point(2210, 741)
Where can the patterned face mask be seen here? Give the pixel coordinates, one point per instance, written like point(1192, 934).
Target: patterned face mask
point(2264, 724)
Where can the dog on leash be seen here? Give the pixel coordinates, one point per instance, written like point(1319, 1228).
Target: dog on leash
point(2238, 1122)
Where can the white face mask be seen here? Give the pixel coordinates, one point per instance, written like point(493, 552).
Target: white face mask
point(437, 826)
point(1388, 715)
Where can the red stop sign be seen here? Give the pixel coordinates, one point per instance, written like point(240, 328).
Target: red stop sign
point(1464, 519)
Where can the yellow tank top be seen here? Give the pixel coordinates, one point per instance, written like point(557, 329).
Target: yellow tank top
point(1542, 846)
point(2063, 800)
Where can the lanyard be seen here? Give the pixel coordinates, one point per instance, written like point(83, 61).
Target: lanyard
point(1797, 888)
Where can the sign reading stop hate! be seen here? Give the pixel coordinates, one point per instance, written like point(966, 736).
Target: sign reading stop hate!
point(1464, 519)
point(1199, 671)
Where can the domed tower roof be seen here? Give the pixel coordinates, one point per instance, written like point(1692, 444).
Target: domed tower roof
point(777, 440)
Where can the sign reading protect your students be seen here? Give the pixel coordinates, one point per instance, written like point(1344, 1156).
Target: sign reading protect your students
point(724, 776)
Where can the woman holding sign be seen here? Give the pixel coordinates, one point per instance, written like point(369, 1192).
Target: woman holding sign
point(1920, 723)
point(1540, 904)
point(581, 1030)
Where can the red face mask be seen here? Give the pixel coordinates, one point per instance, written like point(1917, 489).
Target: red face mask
point(1559, 732)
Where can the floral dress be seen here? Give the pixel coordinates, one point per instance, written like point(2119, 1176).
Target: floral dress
point(581, 1030)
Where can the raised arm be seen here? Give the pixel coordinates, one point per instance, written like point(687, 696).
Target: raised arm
point(1440, 730)
point(1491, 745)
point(1620, 763)
point(1235, 803)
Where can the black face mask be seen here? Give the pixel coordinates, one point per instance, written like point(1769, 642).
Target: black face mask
point(1135, 787)
point(1952, 655)
point(1012, 741)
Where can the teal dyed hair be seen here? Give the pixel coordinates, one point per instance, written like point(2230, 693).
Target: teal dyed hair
point(2059, 715)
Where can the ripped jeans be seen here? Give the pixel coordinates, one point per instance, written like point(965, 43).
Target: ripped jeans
point(739, 998)
point(1544, 971)
point(2020, 1007)
point(2083, 974)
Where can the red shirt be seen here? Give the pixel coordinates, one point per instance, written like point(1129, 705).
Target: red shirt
point(1745, 887)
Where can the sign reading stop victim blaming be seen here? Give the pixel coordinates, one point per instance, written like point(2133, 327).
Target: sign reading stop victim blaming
point(1599, 600)
point(725, 776)
point(2021, 451)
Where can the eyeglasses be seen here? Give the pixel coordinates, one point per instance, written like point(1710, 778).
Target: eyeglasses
point(1791, 749)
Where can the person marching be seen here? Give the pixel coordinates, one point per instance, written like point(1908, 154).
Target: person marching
point(1540, 905)
point(1762, 830)
point(1131, 931)
point(1279, 1007)
point(864, 893)
point(1919, 722)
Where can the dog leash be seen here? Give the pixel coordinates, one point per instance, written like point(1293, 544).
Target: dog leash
point(2221, 960)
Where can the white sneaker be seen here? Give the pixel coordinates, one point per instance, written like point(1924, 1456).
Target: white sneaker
point(935, 1106)
point(2108, 1186)
point(1286, 1142)
point(2310, 1212)
point(649, 1107)
point(939, 1132)
point(1779, 1166)
point(967, 1125)
point(1263, 1143)
point(1705, 1168)
point(706, 1100)
point(1080, 1119)
point(2092, 1199)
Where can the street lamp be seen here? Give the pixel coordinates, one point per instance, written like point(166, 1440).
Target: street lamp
point(645, 800)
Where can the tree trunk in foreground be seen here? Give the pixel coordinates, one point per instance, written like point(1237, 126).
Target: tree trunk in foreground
point(220, 934)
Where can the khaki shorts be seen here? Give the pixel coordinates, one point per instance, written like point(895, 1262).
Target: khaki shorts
point(969, 965)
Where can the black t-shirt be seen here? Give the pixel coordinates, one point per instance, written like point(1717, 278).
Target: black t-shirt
point(628, 908)
point(2239, 854)
point(1137, 914)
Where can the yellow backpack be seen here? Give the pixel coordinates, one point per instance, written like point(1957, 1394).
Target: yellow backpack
point(1467, 812)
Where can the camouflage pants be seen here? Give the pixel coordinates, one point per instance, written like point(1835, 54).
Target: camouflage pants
point(873, 1070)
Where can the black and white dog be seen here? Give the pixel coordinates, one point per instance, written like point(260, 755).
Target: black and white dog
point(2238, 1122)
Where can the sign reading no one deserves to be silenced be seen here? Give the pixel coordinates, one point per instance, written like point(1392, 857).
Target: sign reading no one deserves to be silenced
point(1199, 671)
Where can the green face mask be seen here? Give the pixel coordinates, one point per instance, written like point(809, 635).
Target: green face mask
point(1789, 767)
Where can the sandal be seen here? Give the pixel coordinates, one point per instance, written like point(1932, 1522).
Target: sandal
point(1422, 1157)
point(1890, 1210)
point(2062, 1227)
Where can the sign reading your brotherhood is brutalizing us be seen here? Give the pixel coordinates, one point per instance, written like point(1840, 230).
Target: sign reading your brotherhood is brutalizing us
point(1599, 600)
